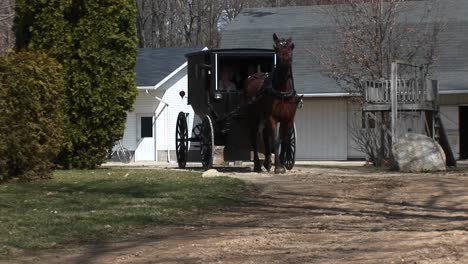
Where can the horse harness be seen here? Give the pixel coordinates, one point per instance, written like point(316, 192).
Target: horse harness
point(267, 89)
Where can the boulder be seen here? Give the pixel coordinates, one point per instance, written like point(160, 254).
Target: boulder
point(419, 153)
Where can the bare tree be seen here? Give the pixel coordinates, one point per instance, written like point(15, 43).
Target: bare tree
point(6, 23)
point(369, 134)
point(169, 23)
point(141, 21)
point(232, 8)
point(371, 34)
point(155, 19)
point(283, 3)
point(174, 23)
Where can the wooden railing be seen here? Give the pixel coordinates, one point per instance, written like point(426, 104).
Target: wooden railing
point(410, 91)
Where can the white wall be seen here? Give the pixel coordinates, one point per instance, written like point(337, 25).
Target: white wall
point(322, 129)
point(322, 124)
point(166, 123)
point(166, 116)
point(144, 104)
point(448, 113)
point(354, 122)
point(450, 120)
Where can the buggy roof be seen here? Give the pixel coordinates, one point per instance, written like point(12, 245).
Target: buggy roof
point(239, 51)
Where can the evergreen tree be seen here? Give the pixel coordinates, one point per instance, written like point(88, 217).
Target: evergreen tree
point(96, 43)
point(31, 117)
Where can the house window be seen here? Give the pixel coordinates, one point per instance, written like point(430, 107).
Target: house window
point(146, 126)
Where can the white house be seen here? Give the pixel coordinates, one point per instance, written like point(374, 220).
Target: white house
point(323, 123)
point(161, 75)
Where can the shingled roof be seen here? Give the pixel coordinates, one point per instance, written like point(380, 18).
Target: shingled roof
point(153, 65)
point(310, 29)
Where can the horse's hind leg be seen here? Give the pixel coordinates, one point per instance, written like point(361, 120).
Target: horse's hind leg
point(254, 142)
point(257, 165)
point(279, 168)
point(267, 143)
point(285, 138)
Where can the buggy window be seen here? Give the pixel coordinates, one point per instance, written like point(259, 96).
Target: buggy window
point(233, 70)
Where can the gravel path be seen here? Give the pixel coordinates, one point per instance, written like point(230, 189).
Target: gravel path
point(310, 215)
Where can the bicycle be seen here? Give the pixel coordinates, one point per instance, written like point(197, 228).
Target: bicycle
point(122, 153)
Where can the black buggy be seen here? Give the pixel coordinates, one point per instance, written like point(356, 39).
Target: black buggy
point(216, 93)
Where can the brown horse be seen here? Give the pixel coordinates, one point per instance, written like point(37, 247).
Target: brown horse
point(277, 103)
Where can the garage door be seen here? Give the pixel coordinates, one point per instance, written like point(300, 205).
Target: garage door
point(322, 130)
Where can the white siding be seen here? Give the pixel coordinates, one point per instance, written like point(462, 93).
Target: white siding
point(354, 122)
point(449, 116)
point(322, 129)
point(411, 122)
point(144, 104)
point(165, 116)
point(129, 138)
point(166, 123)
point(448, 113)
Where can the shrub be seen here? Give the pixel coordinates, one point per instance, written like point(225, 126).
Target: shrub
point(96, 43)
point(31, 114)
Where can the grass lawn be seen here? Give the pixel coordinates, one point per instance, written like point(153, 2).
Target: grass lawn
point(94, 205)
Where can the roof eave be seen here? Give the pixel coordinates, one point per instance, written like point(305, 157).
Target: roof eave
point(167, 78)
point(453, 91)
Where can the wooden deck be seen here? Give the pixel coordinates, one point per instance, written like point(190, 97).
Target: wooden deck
point(386, 107)
point(412, 95)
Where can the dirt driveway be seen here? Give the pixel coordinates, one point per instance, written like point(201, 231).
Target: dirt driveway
point(311, 215)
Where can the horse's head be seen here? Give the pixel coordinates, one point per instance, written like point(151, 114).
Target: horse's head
point(283, 49)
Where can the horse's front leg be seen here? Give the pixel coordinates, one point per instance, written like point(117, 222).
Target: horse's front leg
point(285, 130)
point(279, 168)
point(254, 127)
point(267, 136)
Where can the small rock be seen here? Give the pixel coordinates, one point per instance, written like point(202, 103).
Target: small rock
point(12, 251)
point(210, 173)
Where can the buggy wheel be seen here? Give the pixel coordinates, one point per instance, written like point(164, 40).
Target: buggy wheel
point(181, 140)
point(288, 154)
point(207, 143)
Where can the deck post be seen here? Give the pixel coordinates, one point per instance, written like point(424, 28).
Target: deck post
point(394, 101)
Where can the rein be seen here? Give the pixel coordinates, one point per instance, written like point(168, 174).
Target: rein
point(283, 95)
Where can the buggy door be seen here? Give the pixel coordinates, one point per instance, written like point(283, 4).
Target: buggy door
point(232, 69)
